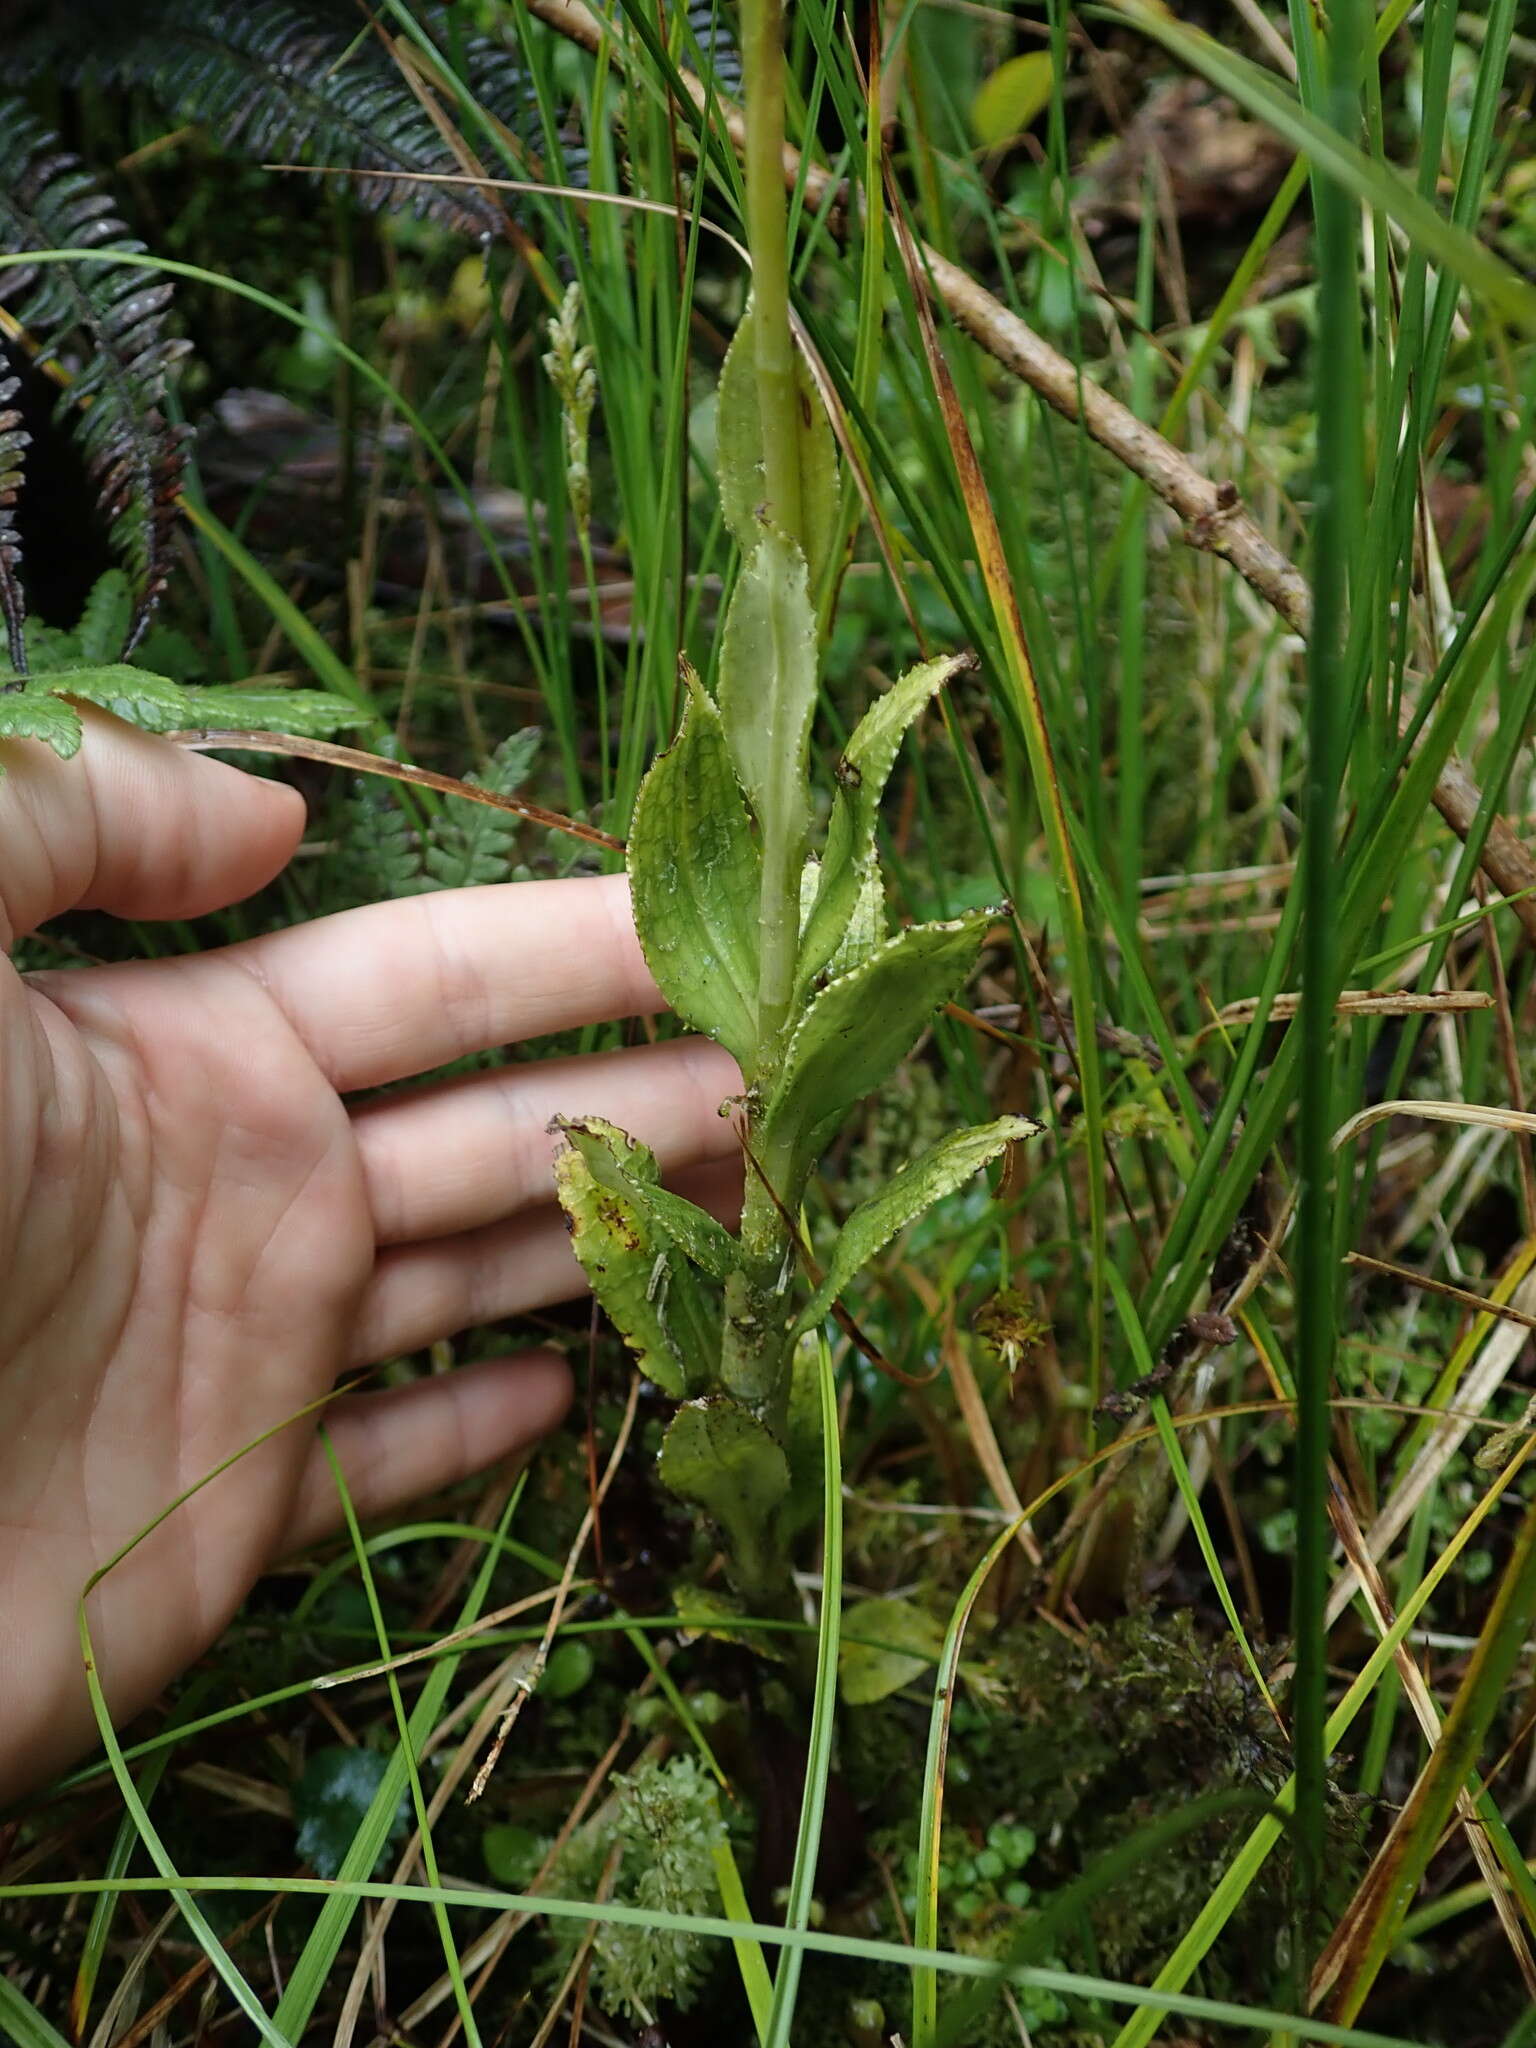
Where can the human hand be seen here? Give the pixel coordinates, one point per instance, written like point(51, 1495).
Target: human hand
point(197, 1234)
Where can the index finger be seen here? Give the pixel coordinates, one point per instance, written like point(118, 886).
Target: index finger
point(391, 990)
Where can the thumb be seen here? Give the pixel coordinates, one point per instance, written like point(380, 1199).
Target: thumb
point(135, 826)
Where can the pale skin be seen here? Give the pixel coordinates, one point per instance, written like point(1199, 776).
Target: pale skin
point(201, 1227)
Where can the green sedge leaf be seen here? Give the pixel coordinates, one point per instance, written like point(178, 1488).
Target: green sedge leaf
point(694, 872)
point(863, 772)
point(859, 1027)
point(650, 1295)
point(32, 714)
point(739, 452)
point(719, 1457)
point(768, 689)
point(804, 1502)
point(906, 1196)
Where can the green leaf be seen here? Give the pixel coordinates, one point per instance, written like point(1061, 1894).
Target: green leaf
point(739, 453)
point(861, 1024)
point(768, 688)
point(33, 715)
point(1012, 99)
point(650, 1294)
point(903, 1642)
point(512, 1854)
point(863, 929)
point(156, 705)
point(331, 1802)
point(568, 1670)
point(693, 1230)
point(707, 1611)
point(311, 714)
point(105, 620)
point(21, 2022)
point(862, 774)
point(719, 1457)
point(926, 1180)
point(470, 844)
point(694, 873)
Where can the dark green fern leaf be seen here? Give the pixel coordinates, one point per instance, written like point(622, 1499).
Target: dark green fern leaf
point(718, 56)
point(44, 707)
point(471, 843)
point(296, 83)
point(109, 319)
point(375, 853)
point(13, 440)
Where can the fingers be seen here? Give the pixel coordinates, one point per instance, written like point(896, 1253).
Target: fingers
point(421, 1292)
point(135, 826)
point(409, 1441)
point(455, 1157)
point(385, 992)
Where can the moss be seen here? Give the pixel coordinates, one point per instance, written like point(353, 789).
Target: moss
point(664, 1828)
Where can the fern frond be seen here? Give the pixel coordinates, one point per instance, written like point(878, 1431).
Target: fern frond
point(717, 51)
point(376, 853)
point(470, 843)
point(109, 320)
point(302, 82)
point(13, 440)
point(45, 707)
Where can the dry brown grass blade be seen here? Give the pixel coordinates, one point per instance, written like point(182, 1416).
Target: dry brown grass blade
point(1357, 1002)
point(1212, 512)
point(973, 1411)
point(1365, 1934)
point(1427, 1714)
point(335, 756)
point(526, 1683)
point(489, 1698)
point(1427, 1284)
point(1485, 1374)
point(434, 1650)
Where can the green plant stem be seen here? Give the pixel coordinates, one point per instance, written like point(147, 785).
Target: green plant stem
point(755, 1358)
point(778, 400)
point(753, 1365)
point(1336, 525)
point(762, 35)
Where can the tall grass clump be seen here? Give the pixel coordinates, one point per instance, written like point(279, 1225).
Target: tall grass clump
point(1013, 527)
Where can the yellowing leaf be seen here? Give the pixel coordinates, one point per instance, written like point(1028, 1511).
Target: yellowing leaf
point(651, 1295)
point(1016, 94)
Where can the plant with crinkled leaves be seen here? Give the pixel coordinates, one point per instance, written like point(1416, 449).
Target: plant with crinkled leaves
point(781, 954)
